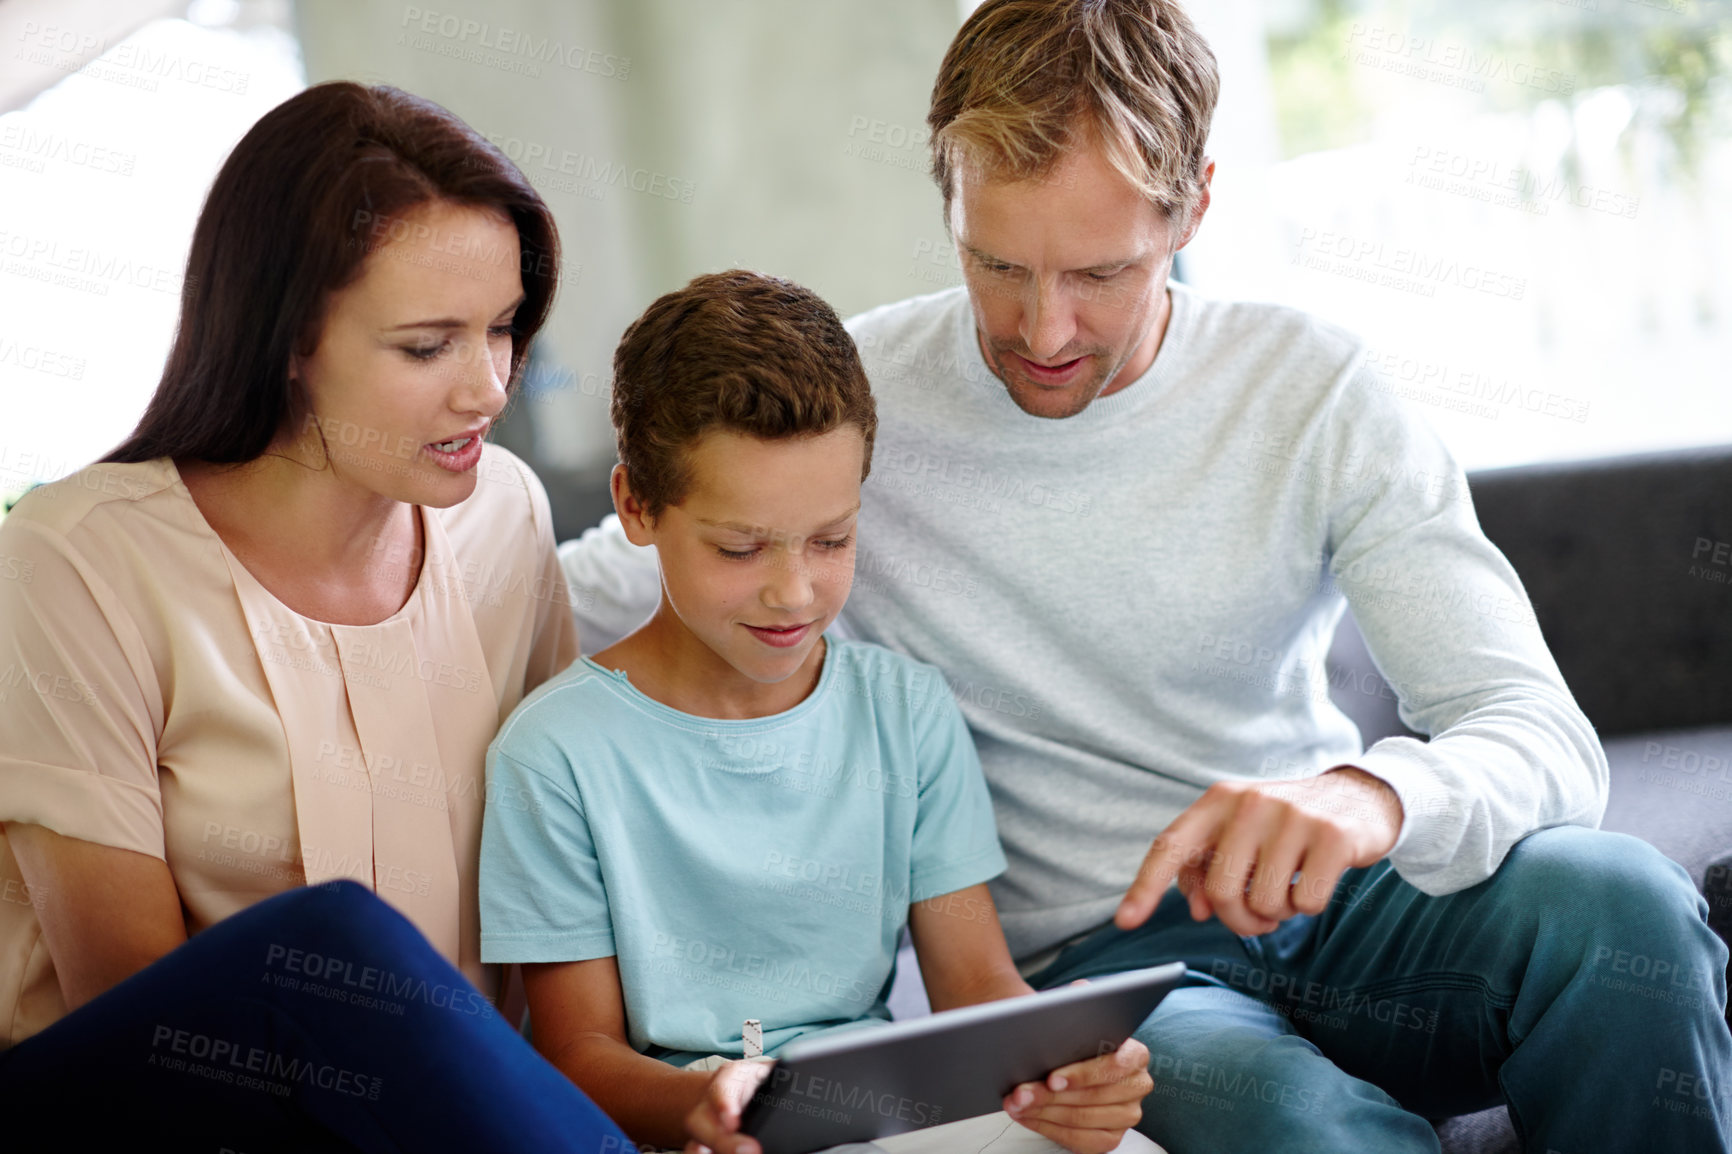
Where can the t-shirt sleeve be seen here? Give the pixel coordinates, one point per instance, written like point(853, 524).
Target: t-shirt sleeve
point(80, 709)
point(542, 895)
point(955, 838)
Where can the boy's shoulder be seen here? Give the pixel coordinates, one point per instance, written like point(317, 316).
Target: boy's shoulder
point(580, 703)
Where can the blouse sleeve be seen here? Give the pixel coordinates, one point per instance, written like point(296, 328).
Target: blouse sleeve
point(80, 707)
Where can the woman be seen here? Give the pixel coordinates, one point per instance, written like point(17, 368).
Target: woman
point(265, 645)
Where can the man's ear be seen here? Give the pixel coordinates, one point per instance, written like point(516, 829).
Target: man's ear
point(1197, 210)
point(637, 523)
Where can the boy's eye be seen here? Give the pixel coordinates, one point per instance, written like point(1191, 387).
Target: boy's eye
point(735, 554)
point(838, 542)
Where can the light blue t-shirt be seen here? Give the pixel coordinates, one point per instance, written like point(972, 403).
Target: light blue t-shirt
point(758, 868)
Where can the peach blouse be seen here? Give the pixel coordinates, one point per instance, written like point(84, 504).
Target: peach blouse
point(154, 696)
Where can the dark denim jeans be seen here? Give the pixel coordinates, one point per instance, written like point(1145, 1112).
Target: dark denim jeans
point(1580, 985)
point(319, 1019)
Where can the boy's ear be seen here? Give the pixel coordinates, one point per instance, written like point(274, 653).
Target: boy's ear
point(632, 517)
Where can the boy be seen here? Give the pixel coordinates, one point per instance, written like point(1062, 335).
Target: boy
point(729, 816)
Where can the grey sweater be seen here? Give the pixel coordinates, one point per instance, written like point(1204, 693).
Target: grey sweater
point(1135, 602)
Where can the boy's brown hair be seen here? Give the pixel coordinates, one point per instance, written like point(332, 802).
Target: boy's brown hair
point(732, 350)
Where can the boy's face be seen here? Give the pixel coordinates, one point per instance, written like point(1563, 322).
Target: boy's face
point(758, 558)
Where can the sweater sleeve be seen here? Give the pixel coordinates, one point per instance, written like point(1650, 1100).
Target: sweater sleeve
point(1449, 626)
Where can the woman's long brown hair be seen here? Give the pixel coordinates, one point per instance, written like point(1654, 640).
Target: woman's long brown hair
point(302, 200)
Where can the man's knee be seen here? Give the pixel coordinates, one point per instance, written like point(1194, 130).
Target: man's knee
point(1633, 915)
point(1620, 878)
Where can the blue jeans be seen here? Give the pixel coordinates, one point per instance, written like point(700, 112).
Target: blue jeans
point(1580, 985)
point(318, 1019)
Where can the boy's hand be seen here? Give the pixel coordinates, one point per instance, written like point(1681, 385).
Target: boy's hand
point(1086, 1107)
point(714, 1123)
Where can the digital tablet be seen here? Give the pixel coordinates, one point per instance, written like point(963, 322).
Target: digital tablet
point(857, 1085)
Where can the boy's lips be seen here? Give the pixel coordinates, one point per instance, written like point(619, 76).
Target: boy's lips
point(781, 637)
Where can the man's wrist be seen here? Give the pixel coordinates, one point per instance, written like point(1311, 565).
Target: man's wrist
point(1361, 795)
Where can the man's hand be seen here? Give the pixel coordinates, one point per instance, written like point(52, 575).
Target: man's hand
point(1257, 853)
point(1086, 1107)
point(714, 1123)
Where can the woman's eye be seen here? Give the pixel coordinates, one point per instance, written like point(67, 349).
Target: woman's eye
point(506, 330)
point(423, 352)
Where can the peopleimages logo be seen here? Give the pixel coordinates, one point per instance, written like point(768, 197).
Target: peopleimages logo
point(800, 1093)
point(1397, 266)
point(479, 42)
point(253, 1067)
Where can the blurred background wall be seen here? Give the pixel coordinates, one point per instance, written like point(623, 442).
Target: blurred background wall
point(1525, 205)
point(672, 138)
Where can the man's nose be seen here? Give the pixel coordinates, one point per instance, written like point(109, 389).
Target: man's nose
point(1048, 320)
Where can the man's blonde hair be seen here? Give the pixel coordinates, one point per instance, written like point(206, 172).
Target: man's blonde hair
point(1027, 80)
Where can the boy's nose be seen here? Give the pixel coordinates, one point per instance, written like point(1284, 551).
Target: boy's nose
point(789, 585)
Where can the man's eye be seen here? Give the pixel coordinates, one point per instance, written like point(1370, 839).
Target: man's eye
point(1105, 276)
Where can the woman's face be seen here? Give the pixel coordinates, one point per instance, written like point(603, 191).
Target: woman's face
point(414, 357)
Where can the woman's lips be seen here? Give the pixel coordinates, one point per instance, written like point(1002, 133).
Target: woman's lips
point(781, 638)
point(1062, 374)
point(457, 461)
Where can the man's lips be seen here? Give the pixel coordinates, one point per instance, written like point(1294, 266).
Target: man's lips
point(781, 637)
point(1063, 373)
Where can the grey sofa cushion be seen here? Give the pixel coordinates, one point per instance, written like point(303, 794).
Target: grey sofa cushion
point(1674, 790)
point(1619, 559)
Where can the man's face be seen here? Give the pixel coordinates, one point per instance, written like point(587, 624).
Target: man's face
point(1067, 274)
point(758, 557)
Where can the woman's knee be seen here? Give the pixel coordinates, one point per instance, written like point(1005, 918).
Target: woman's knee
point(341, 920)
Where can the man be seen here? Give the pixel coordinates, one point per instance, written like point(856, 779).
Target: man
point(1123, 519)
